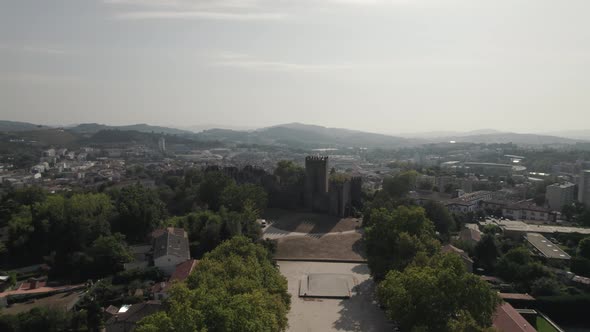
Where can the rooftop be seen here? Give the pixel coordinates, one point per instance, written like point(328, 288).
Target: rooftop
point(562, 185)
point(136, 312)
point(545, 247)
point(61, 301)
point(520, 226)
point(171, 241)
point(507, 319)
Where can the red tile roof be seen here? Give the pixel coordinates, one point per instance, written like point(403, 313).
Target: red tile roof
point(183, 270)
point(507, 319)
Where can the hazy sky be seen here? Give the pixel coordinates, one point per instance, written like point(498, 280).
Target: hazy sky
point(387, 66)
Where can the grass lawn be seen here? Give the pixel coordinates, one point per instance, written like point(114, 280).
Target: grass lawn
point(544, 326)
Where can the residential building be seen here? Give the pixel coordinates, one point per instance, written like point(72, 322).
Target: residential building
point(528, 211)
point(518, 229)
point(507, 319)
point(470, 235)
point(558, 195)
point(584, 187)
point(545, 248)
point(182, 271)
point(162, 144)
point(469, 202)
point(127, 317)
point(464, 257)
point(170, 248)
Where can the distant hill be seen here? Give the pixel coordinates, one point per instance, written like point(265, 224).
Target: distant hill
point(519, 139)
point(439, 134)
point(573, 134)
point(47, 137)
point(110, 136)
point(13, 126)
point(309, 136)
point(92, 128)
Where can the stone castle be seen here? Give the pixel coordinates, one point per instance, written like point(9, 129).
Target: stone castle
point(337, 197)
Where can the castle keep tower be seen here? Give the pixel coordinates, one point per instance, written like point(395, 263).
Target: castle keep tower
point(316, 180)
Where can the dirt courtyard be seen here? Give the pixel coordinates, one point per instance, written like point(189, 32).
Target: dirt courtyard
point(309, 222)
point(331, 246)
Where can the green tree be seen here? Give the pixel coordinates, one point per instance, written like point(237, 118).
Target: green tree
point(395, 237)
point(289, 173)
point(140, 211)
point(487, 252)
point(441, 217)
point(399, 185)
point(109, 254)
point(236, 197)
point(213, 185)
point(584, 248)
point(437, 295)
point(236, 287)
point(518, 266)
point(545, 287)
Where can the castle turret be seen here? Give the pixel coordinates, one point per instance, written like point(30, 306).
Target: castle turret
point(316, 179)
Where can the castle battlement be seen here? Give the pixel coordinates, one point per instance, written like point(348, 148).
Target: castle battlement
point(316, 158)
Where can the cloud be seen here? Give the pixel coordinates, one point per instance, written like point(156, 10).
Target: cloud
point(238, 10)
point(38, 78)
point(34, 49)
point(244, 61)
point(206, 15)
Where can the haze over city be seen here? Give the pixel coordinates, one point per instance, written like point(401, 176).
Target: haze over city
point(382, 66)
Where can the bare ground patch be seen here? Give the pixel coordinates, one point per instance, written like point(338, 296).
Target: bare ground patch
point(309, 222)
point(331, 246)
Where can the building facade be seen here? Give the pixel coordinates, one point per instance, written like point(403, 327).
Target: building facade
point(558, 195)
point(584, 187)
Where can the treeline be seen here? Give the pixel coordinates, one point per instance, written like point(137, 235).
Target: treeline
point(85, 235)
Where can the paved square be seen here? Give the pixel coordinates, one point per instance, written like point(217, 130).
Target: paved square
point(358, 313)
point(327, 285)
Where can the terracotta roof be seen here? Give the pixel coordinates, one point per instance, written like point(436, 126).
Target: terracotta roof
point(452, 249)
point(507, 319)
point(516, 296)
point(183, 270)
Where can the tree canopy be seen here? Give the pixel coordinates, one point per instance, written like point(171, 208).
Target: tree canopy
point(289, 173)
point(438, 295)
point(140, 211)
point(396, 237)
point(441, 217)
point(236, 287)
point(584, 248)
point(487, 252)
point(400, 184)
